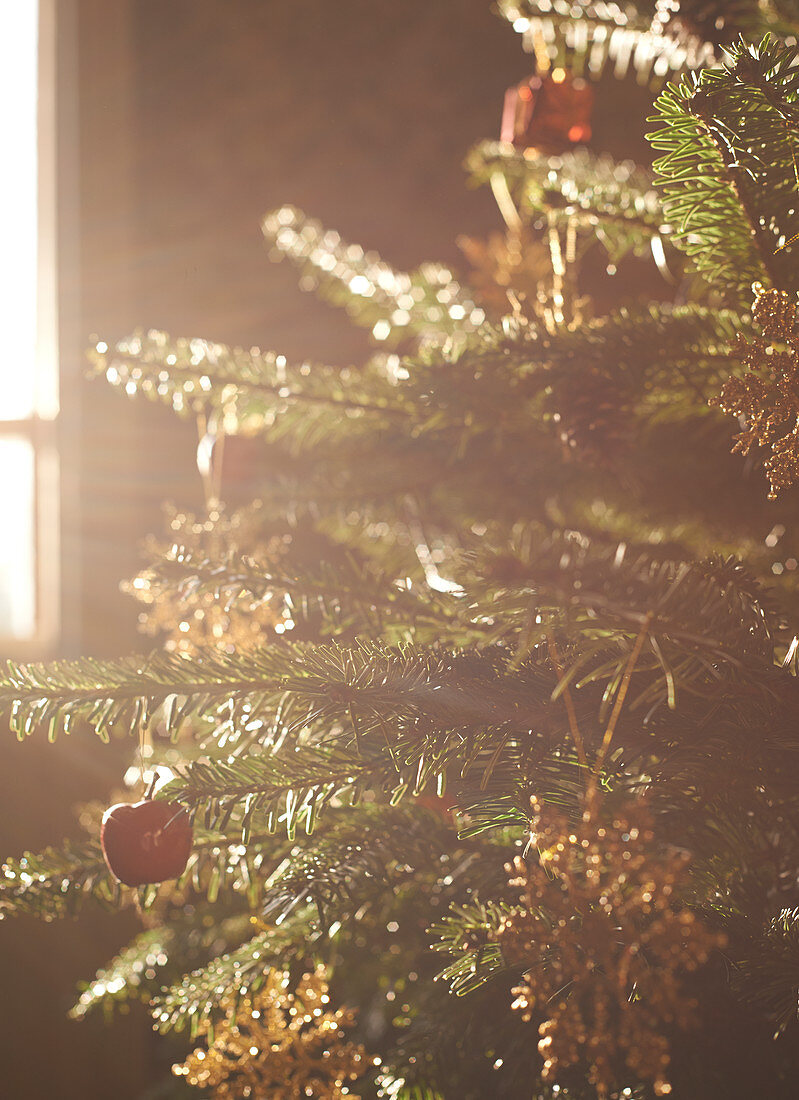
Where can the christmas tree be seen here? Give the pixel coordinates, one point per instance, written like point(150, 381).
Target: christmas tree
point(466, 764)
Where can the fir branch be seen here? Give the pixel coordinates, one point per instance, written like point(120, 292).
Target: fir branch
point(291, 789)
point(498, 799)
point(395, 737)
point(719, 22)
point(468, 934)
point(740, 743)
point(127, 693)
point(469, 1046)
point(155, 957)
point(699, 201)
point(393, 304)
point(641, 348)
point(311, 685)
point(246, 391)
point(600, 599)
point(339, 590)
point(56, 883)
point(485, 405)
point(220, 866)
point(728, 174)
point(614, 202)
point(769, 978)
point(361, 859)
point(129, 975)
point(196, 998)
point(280, 788)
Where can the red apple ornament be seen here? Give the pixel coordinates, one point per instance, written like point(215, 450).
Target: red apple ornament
point(146, 841)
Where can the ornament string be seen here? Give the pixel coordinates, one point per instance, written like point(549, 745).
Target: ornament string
point(505, 203)
point(210, 457)
point(142, 742)
point(558, 269)
point(151, 789)
point(421, 546)
point(570, 272)
point(541, 53)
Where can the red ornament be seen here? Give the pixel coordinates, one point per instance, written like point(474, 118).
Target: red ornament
point(550, 112)
point(442, 806)
point(146, 841)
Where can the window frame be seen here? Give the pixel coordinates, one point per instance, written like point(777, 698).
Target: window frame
point(42, 428)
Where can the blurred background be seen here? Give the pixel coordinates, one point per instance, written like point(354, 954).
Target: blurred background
point(166, 130)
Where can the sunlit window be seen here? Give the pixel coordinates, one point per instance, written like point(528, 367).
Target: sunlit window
point(17, 547)
point(28, 366)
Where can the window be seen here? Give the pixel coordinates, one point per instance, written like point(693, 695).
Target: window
point(28, 335)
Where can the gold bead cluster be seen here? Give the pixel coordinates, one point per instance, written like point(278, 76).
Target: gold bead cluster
point(605, 939)
point(767, 397)
point(279, 1044)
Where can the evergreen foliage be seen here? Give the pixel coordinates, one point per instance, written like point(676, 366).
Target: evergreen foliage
point(607, 201)
point(394, 304)
point(730, 171)
point(519, 565)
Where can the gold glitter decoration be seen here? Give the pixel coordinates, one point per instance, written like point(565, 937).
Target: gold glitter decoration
point(605, 936)
point(192, 618)
point(511, 261)
point(279, 1044)
point(767, 397)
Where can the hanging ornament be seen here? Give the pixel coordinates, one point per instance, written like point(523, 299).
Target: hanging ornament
point(550, 113)
point(280, 1044)
point(765, 399)
point(443, 806)
point(144, 842)
point(605, 942)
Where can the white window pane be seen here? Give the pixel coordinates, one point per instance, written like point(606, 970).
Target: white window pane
point(18, 214)
point(17, 561)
